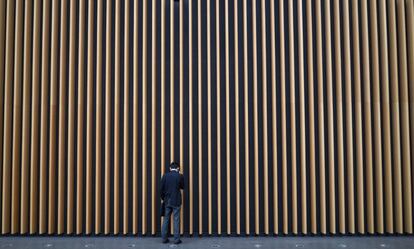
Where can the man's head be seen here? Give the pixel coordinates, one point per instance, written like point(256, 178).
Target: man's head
point(174, 166)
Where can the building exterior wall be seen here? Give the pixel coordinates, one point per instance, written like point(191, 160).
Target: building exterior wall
point(287, 117)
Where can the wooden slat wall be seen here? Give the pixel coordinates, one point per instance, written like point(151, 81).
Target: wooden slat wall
point(287, 117)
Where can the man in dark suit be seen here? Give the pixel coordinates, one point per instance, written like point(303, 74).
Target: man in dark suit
point(170, 191)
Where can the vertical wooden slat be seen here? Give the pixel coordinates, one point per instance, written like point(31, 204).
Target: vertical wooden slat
point(410, 43)
point(227, 118)
point(154, 120)
point(17, 117)
point(181, 86)
point(98, 132)
point(358, 116)
point(330, 116)
point(321, 116)
point(163, 64)
point(135, 142)
point(405, 122)
point(246, 117)
point(395, 112)
point(34, 149)
point(218, 102)
point(24, 210)
point(44, 116)
point(8, 105)
point(191, 122)
point(255, 122)
point(2, 80)
point(292, 83)
point(379, 206)
point(144, 115)
point(117, 115)
point(385, 105)
point(209, 145)
point(265, 134)
point(71, 119)
point(303, 160)
point(283, 116)
point(54, 70)
point(367, 118)
point(89, 135)
point(80, 119)
point(349, 124)
point(172, 70)
point(275, 206)
point(126, 119)
point(237, 112)
point(63, 102)
point(108, 128)
point(200, 119)
point(339, 120)
point(312, 166)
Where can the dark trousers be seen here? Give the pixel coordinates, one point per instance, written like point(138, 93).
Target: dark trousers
point(176, 216)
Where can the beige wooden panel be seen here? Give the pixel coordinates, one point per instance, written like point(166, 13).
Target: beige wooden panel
point(2, 69)
point(80, 119)
point(255, 122)
point(366, 82)
point(385, 105)
point(283, 118)
point(63, 102)
point(99, 113)
point(237, 113)
point(154, 175)
point(125, 206)
point(405, 122)
point(27, 74)
point(246, 118)
point(379, 205)
point(348, 118)
point(108, 128)
point(71, 120)
point(274, 118)
point(191, 117)
point(395, 112)
point(135, 142)
point(339, 119)
point(265, 131)
point(89, 113)
point(302, 120)
point(17, 117)
point(312, 153)
point(228, 166)
point(321, 117)
point(200, 118)
point(330, 116)
point(292, 83)
point(54, 95)
point(117, 116)
point(44, 100)
point(209, 145)
point(181, 86)
point(144, 115)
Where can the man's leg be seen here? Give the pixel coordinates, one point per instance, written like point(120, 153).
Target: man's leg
point(165, 225)
point(176, 214)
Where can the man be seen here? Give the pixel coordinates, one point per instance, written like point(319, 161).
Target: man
point(171, 184)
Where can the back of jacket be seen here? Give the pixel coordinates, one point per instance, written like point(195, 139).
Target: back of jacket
point(171, 184)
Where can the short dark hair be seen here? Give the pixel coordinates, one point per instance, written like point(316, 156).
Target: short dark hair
point(174, 165)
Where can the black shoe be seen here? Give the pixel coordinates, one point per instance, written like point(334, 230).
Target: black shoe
point(165, 241)
point(178, 242)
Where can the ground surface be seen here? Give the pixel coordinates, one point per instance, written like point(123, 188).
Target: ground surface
point(209, 242)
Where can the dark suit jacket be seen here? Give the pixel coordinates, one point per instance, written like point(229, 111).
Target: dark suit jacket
point(171, 184)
